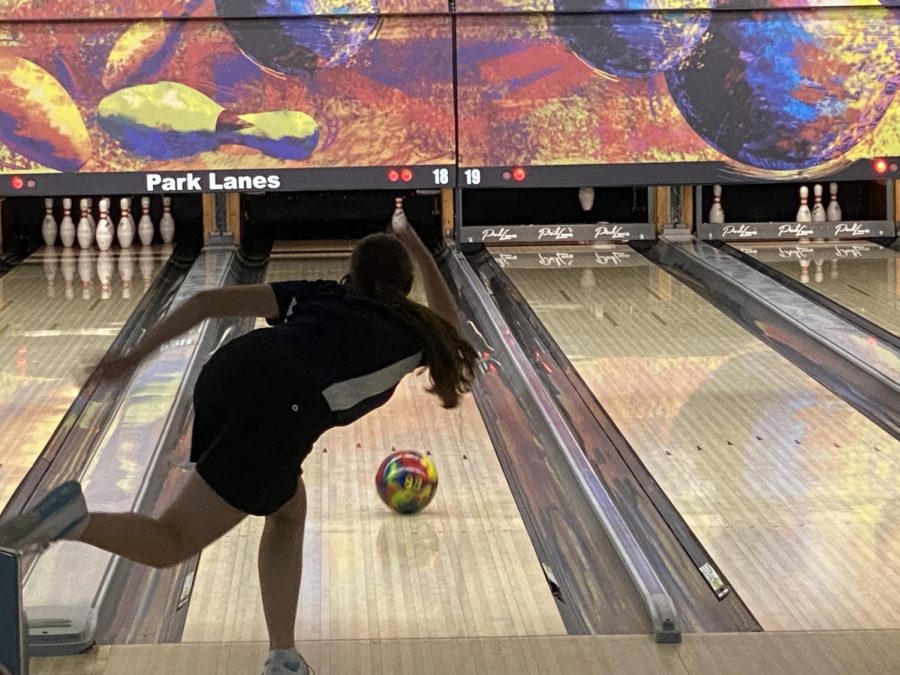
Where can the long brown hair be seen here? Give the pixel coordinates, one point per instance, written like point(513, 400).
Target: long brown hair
point(381, 269)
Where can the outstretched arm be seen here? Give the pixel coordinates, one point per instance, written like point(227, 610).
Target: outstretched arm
point(440, 300)
point(255, 300)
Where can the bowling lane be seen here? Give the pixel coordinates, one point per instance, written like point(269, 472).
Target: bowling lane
point(60, 309)
point(465, 567)
point(862, 276)
point(793, 492)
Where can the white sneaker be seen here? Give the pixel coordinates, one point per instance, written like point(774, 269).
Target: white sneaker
point(286, 662)
point(62, 514)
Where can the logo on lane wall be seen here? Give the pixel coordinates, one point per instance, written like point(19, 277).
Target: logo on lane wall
point(740, 231)
point(498, 234)
point(791, 230)
point(557, 233)
point(615, 232)
point(852, 229)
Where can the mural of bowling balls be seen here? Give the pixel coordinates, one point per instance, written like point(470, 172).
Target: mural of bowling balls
point(627, 40)
point(790, 90)
point(309, 35)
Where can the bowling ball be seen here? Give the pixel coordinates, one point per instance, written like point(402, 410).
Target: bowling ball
point(306, 35)
point(628, 43)
point(790, 90)
point(406, 481)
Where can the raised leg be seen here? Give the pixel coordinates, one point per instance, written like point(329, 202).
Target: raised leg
point(196, 518)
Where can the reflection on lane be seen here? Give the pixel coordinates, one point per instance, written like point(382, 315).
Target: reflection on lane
point(792, 491)
point(861, 276)
point(60, 310)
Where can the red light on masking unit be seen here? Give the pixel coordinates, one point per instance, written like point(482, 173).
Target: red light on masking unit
point(518, 173)
point(16, 183)
point(880, 165)
point(406, 175)
point(393, 175)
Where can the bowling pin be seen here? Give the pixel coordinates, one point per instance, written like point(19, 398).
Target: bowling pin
point(67, 266)
point(86, 274)
point(90, 215)
point(51, 262)
point(145, 226)
point(105, 232)
point(125, 232)
point(167, 224)
point(126, 271)
point(833, 212)
point(67, 229)
point(67, 223)
point(85, 232)
point(48, 227)
point(104, 274)
point(818, 210)
point(586, 198)
point(803, 213)
point(716, 212)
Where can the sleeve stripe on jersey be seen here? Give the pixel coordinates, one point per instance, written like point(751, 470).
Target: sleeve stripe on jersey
point(344, 395)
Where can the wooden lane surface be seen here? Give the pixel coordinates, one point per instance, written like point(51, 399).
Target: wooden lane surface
point(864, 286)
point(793, 492)
point(48, 339)
point(464, 567)
point(795, 653)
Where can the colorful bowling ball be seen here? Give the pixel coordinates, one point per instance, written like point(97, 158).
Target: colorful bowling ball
point(304, 36)
point(790, 90)
point(627, 40)
point(406, 481)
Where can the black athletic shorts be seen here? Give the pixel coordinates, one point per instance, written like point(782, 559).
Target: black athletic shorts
point(256, 419)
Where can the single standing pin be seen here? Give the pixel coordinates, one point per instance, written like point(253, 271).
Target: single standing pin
point(105, 232)
point(67, 223)
point(145, 226)
point(818, 210)
point(67, 233)
point(85, 232)
point(716, 212)
point(48, 227)
point(167, 224)
point(125, 231)
point(586, 198)
point(804, 215)
point(399, 223)
point(833, 213)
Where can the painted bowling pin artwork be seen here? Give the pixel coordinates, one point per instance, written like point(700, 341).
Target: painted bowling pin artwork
point(48, 227)
point(145, 226)
point(90, 215)
point(168, 120)
point(125, 231)
point(586, 198)
point(167, 224)
point(833, 213)
point(105, 231)
point(67, 232)
point(716, 212)
point(804, 215)
point(818, 209)
point(85, 231)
